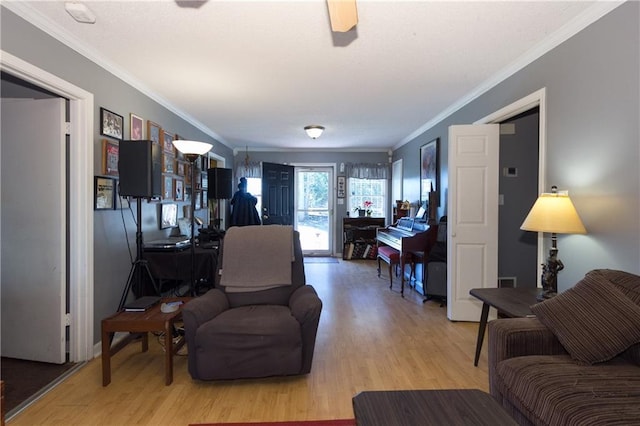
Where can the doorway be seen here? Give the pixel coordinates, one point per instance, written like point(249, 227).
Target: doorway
point(314, 207)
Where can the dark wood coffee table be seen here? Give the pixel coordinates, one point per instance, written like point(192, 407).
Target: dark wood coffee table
point(140, 324)
point(429, 407)
point(510, 302)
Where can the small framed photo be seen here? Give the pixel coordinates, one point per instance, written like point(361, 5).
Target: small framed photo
point(167, 187)
point(180, 168)
point(179, 189)
point(110, 124)
point(154, 131)
point(168, 162)
point(167, 143)
point(110, 153)
point(104, 193)
point(136, 128)
point(342, 186)
point(168, 216)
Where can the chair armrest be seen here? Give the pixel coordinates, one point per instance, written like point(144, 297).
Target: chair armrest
point(305, 304)
point(513, 337)
point(306, 307)
point(202, 309)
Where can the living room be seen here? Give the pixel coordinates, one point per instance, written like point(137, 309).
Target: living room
point(592, 150)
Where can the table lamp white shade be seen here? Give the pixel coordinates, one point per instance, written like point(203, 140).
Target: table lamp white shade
point(554, 213)
point(192, 147)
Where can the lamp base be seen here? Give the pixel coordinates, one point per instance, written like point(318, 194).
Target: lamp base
point(547, 294)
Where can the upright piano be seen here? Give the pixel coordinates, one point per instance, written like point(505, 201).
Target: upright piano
point(406, 235)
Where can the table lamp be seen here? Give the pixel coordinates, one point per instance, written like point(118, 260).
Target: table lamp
point(192, 150)
point(554, 213)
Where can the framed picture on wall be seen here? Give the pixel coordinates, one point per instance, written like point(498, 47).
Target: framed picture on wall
point(179, 189)
point(167, 187)
point(154, 132)
point(167, 143)
point(110, 153)
point(110, 124)
point(342, 186)
point(136, 128)
point(168, 162)
point(429, 169)
point(168, 216)
point(104, 194)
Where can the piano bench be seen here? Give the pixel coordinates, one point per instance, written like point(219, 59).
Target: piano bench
point(392, 257)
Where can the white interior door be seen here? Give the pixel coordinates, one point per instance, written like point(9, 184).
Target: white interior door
point(472, 248)
point(33, 227)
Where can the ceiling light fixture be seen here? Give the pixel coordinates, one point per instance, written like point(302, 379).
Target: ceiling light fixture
point(80, 12)
point(314, 132)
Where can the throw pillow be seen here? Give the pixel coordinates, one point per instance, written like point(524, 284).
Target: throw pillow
point(594, 321)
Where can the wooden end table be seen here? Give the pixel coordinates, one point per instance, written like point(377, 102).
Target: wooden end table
point(510, 302)
point(140, 324)
point(450, 407)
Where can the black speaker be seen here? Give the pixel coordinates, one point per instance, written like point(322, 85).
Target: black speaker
point(140, 169)
point(220, 183)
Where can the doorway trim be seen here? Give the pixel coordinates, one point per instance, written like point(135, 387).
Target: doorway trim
point(333, 185)
point(80, 198)
point(535, 99)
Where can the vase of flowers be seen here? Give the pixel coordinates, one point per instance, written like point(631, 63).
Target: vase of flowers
point(365, 209)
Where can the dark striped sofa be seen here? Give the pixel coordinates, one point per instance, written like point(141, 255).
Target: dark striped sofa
point(541, 381)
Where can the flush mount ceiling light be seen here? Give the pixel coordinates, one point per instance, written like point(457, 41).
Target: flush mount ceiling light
point(80, 12)
point(314, 132)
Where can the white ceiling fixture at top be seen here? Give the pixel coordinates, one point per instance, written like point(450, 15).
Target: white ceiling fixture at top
point(343, 15)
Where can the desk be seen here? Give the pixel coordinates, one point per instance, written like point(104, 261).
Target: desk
point(176, 265)
point(451, 407)
point(510, 302)
point(141, 323)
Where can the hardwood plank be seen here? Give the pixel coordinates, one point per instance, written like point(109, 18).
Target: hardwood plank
point(369, 339)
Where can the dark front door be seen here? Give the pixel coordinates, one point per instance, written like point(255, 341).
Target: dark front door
point(277, 194)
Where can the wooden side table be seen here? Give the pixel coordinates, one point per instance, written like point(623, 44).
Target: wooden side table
point(510, 302)
point(140, 324)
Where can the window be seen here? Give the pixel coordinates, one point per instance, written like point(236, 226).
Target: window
point(254, 187)
point(374, 190)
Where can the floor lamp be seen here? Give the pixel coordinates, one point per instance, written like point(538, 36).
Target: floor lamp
point(192, 150)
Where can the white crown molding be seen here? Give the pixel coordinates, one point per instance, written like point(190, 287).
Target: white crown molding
point(577, 24)
point(45, 24)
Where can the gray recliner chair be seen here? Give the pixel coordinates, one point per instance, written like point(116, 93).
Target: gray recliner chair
point(252, 334)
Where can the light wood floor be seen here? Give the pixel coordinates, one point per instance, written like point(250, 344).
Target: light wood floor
point(369, 339)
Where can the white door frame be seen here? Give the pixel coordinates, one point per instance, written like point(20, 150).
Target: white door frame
point(333, 185)
point(535, 99)
point(80, 199)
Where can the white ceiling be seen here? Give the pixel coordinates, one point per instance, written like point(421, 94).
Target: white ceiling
point(254, 73)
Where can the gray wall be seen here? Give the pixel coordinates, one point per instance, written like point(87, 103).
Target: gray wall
point(593, 138)
point(112, 261)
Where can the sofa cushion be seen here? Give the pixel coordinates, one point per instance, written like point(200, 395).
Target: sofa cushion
point(626, 282)
point(555, 390)
point(594, 321)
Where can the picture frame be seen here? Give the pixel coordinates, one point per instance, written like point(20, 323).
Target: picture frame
point(429, 169)
point(154, 132)
point(178, 185)
point(110, 156)
point(342, 186)
point(136, 127)
point(167, 187)
point(180, 168)
point(168, 215)
point(104, 193)
point(167, 143)
point(168, 163)
point(111, 124)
